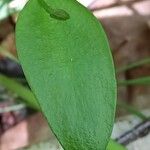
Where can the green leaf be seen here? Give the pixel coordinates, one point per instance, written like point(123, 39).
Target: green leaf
point(20, 90)
point(138, 81)
point(113, 145)
point(134, 65)
point(69, 68)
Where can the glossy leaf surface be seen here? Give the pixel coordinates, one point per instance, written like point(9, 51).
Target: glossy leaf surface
point(69, 67)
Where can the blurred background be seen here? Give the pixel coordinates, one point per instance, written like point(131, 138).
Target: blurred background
point(127, 25)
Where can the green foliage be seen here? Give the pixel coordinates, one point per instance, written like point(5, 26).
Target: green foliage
point(70, 70)
point(138, 81)
point(29, 100)
point(21, 91)
point(113, 145)
point(54, 13)
point(134, 65)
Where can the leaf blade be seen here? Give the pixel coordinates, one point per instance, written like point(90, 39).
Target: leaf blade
point(69, 68)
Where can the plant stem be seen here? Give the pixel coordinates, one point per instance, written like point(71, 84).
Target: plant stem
point(138, 81)
point(134, 65)
point(20, 90)
point(132, 110)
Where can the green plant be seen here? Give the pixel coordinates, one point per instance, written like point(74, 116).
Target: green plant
point(138, 81)
point(133, 65)
point(56, 55)
point(21, 91)
point(66, 59)
point(29, 99)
